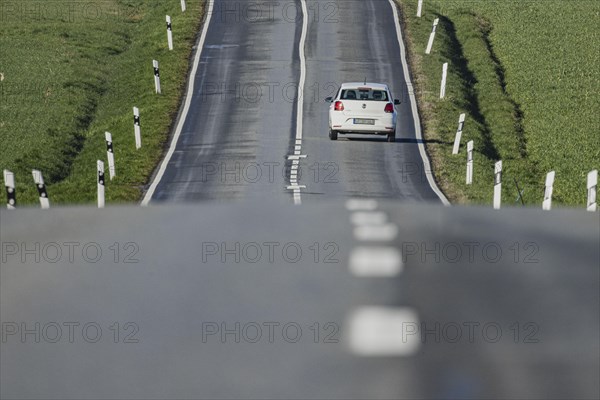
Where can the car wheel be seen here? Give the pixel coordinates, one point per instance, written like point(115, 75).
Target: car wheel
point(333, 135)
point(391, 137)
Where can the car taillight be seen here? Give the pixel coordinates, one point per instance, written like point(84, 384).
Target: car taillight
point(389, 108)
point(339, 106)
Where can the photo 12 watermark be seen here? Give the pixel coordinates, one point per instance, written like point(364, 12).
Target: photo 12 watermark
point(276, 11)
point(236, 172)
point(49, 93)
point(70, 332)
point(274, 92)
point(470, 252)
point(65, 11)
point(270, 332)
point(270, 252)
point(72, 252)
point(471, 332)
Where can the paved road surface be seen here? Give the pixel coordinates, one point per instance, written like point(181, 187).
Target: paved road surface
point(525, 303)
point(265, 300)
point(244, 109)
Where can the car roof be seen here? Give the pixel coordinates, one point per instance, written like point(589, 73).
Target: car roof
point(356, 85)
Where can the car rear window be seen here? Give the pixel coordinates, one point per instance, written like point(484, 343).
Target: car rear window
point(364, 94)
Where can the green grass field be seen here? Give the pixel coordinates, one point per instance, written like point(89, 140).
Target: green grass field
point(72, 70)
point(526, 74)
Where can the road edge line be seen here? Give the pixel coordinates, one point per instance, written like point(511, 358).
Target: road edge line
point(186, 108)
point(415, 112)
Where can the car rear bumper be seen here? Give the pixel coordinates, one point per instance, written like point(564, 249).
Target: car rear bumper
point(345, 124)
point(351, 127)
point(376, 130)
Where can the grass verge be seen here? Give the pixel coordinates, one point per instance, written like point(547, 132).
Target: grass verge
point(524, 78)
point(72, 70)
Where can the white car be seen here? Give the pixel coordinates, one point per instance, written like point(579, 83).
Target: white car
point(365, 108)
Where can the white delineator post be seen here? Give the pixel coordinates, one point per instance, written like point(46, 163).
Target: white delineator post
point(41, 187)
point(461, 124)
point(420, 8)
point(9, 184)
point(547, 204)
point(470, 162)
point(169, 33)
point(137, 128)
point(443, 85)
point(592, 183)
point(183, 6)
point(497, 185)
point(156, 76)
point(432, 36)
point(110, 154)
point(100, 165)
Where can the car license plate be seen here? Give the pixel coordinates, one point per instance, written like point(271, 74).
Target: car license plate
point(361, 121)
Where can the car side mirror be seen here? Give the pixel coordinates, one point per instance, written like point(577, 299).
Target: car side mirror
point(329, 99)
point(396, 101)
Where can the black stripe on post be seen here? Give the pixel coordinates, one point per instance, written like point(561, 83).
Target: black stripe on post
point(156, 72)
point(169, 27)
point(101, 178)
point(136, 120)
point(42, 190)
point(109, 146)
point(11, 196)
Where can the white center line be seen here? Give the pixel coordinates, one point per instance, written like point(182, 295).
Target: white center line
point(368, 218)
point(384, 331)
point(300, 100)
point(361, 204)
point(376, 233)
point(375, 261)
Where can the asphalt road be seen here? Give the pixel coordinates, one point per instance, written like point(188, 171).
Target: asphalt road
point(517, 318)
point(233, 134)
point(351, 42)
point(243, 115)
point(261, 299)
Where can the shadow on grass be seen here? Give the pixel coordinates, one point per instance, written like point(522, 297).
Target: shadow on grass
point(456, 57)
point(486, 29)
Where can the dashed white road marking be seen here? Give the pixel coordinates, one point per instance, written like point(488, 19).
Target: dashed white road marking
point(375, 261)
point(384, 331)
point(361, 204)
point(300, 105)
point(377, 233)
point(368, 218)
point(184, 113)
point(296, 157)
